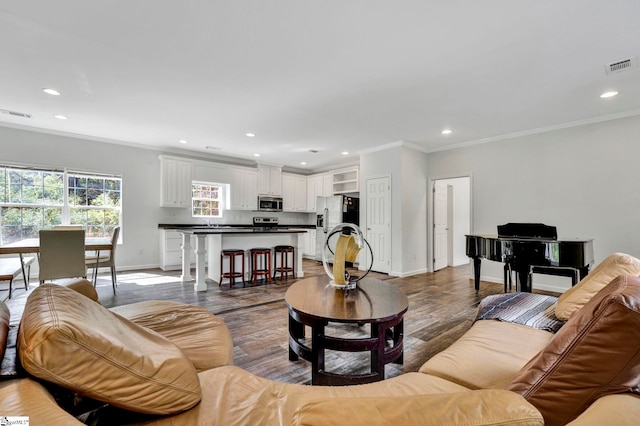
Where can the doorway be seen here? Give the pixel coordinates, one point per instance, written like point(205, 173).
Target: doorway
point(451, 221)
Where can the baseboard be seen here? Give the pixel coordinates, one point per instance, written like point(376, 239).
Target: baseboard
point(407, 274)
point(134, 267)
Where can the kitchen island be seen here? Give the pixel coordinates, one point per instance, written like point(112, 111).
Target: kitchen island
point(211, 240)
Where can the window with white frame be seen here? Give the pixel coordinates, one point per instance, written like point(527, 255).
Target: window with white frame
point(206, 200)
point(33, 199)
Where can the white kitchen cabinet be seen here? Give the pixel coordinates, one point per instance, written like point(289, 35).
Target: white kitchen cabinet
point(175, 182)
point(244, 189)
point(269, 180)
point(318, 186)
point(294, 193)
point(171, 249)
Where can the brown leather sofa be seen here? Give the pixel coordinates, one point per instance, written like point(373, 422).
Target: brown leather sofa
point(498, 373)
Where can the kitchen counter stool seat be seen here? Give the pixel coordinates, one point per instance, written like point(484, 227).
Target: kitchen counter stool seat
point(231, 254)
point(260, 264)
point(284, 269)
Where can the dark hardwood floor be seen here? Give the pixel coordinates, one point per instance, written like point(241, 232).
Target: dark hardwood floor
point(442, 306)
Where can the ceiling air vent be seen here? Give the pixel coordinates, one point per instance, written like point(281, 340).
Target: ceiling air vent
point(15, 113)
point(620, 66)
point(213, 148)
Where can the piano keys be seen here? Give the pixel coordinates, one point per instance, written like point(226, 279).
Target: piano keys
point(528, 247)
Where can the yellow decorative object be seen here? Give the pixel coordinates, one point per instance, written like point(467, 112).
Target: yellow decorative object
point(346, 251)
point(348, 243)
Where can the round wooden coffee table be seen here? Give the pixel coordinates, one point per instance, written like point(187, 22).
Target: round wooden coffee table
point(313, 302)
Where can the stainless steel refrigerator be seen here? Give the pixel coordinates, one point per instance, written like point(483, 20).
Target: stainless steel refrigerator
point(332, 211)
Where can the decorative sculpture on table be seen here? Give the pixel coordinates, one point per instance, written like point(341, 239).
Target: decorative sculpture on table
point(345, 250)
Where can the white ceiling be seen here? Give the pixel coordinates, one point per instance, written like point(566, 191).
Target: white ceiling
point(330, 75)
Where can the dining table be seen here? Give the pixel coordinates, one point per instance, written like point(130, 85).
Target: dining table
point(32, 245)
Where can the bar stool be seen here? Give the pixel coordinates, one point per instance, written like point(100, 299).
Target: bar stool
point(231, 254)
point(260, 263)
point(284, 269)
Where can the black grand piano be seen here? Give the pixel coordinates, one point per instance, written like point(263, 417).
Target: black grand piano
point(530, 248)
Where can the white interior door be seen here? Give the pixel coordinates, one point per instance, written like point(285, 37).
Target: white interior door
point(440, 240)
point(378, 226)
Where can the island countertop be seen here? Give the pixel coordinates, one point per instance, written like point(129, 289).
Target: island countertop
point(230, 231)
point(239, 229)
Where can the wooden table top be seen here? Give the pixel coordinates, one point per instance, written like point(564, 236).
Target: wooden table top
point(32, 245)
point(372, 301)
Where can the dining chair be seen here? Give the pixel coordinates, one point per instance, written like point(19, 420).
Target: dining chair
point(109, 260)
point(67, 227)
point(61, 254)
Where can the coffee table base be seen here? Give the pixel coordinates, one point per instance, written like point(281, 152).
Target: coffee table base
point(376, 344)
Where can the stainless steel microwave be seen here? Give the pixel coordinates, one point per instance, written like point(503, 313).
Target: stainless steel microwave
point(269, 203)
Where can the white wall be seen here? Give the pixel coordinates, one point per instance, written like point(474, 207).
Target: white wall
point(584, 180)
point(414, 212)
point(407, 168)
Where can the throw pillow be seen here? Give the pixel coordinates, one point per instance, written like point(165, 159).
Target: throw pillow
point(67, 339)
point(596, 353)
point(575, 298)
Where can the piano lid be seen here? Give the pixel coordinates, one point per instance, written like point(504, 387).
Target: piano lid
point(528, 230)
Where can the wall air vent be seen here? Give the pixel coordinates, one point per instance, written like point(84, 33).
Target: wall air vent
point(15, 113)
point(621, 66)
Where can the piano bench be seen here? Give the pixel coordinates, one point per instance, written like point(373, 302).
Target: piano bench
point(572, 273)
point(560, 271)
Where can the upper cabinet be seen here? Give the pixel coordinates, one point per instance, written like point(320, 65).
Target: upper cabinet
point(175, 182)
point(269, 180)
point(298, 192)
point(346, 181)
point(294, 194)
point(318, 186)
point(244, 194)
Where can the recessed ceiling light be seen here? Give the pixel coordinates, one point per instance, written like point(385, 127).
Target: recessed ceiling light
point(52, 92)
point(182, 141)
point(345, 152)
point(304, 163)
point(608, 94)
point(61, 117)
point(250, 135)
point(256, 155)
point(447, 131)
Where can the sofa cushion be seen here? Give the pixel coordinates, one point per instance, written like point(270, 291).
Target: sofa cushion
point(80, 285)
point(202, 337)
point(596, 353)
point(233, 396)
point(611, 267)
point(622, 409)
point(489, 355)
point(69, 340)
point(27, 397)
point(487, 407)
